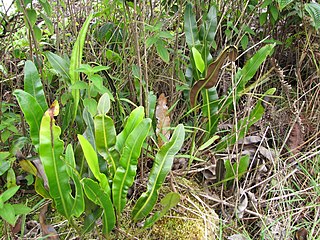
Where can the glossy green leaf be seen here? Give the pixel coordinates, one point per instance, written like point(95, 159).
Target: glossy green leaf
point(60, 65)
point(126, 171)
point(92, 160)
point(105, 137)
point(6, 195)
point(104, 104)
point(32, 115)
point(78, 203)
point(90, 220)
point(89, 132)
point(33, 84)
point(162, 51)
point(133, 120)
point(51, 151)
point(236, 171)
point(46, 6)
point(168, 202)
point(32, 16)
point(245, 74)
point(210, 24)
point(21, 209)
point(313, 10)
point(37, 33)
point(283, 3)
point(91, 105)
point(190, 26)
point(8, 214)
point(100, 197)
point(160, 169)
point(198, 60)
point(75, 61)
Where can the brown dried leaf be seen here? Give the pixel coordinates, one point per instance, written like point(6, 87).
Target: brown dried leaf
point(296, 138)
point(212, 73)
point(48, 231)
point(163, 118)
point(302, 234)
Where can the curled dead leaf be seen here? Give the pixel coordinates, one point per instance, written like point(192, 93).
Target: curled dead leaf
point(163, 120)
point(212, 73)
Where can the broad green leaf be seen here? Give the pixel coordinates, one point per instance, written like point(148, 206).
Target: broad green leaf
point(21, 209)
point(210, 24)
point(7, 213)
point(105, 137)
point(90, 220)
point(91, 104)
point(11, 178)
point(100, 197)
point(314, 11)
point(160, 169)
point(75, 61)
point(126, 171)
point(89, 132)
point(162, 51)
point(51, 151)
point(6, 195)
point(37, 33)
point(236, 170)
point(283, 3)
point(78, 203)
point(104, 104)
point(80, 85)
point(32, 16)
point(33, 84)
point(60, 65)
point(92, 160)
point(46, 6)
point(134, 119)
point(190, 26)
point(168, 202)
point(198, 60)
point(33, 115)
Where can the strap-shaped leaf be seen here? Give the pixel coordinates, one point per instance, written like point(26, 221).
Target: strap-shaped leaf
point(60, 65)
point(248, 71)
point(78, 203)
point(160, 169)
point(33, 84)
point(168, 202)
point(97, 195)
point(105, 135)
point(126, 171)
point(92, 160)
point(212, 73)
point(190, 26)
point(50, 150)
point(134, 119)
point(75, 62)
point(32, 114)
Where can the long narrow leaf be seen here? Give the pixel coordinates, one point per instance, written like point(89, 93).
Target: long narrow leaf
point(99, 196)
point(92, 160)
point(33, 84)
point(50, 151)
point(32, 114)
point(134, 119)
point(78, 200)
point(75, 62)
point(105, 135)
point(60, 65)
point(126, 171)
point(161, 167)
point(190, 27)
